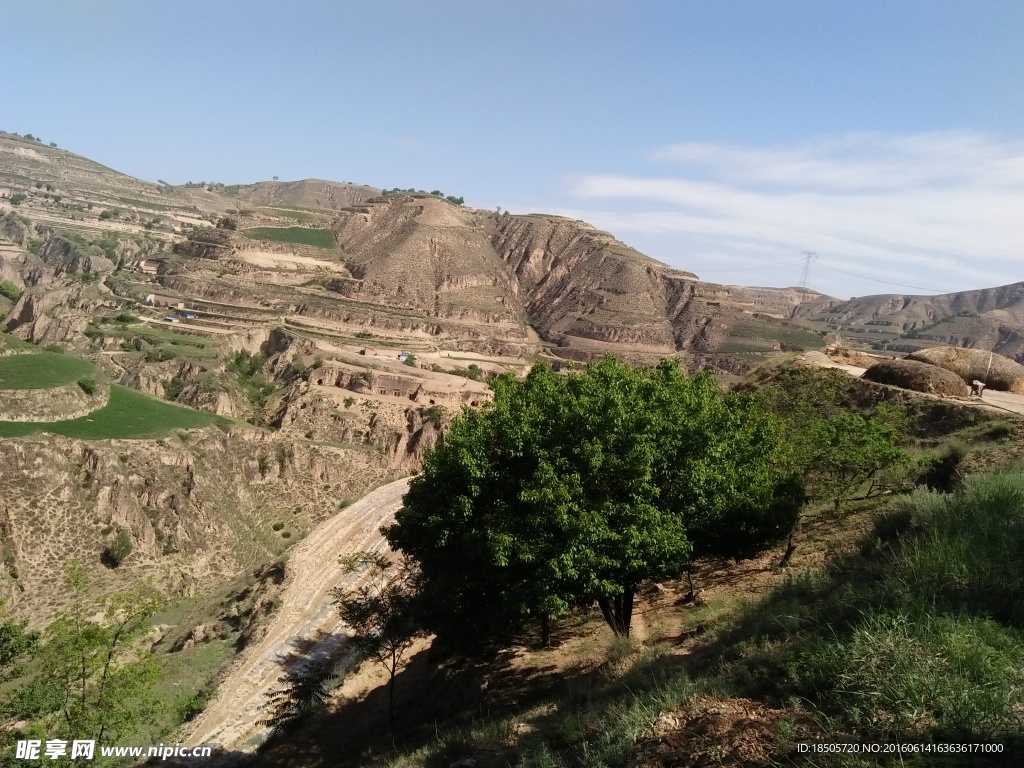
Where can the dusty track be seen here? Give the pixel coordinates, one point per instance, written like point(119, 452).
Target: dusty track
point(307, 625)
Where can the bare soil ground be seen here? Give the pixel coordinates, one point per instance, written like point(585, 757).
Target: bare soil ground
point(307, 626)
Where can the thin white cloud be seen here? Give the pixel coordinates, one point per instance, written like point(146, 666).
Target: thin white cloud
point(934, 209)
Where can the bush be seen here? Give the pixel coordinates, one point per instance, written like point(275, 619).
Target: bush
point(118, 550)
point(18, 198)
point(943, 473)
point(173, 388)
point(57, 349)
point(9, 290)
point(88, 385)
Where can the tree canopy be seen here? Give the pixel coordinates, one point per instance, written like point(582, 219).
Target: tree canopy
point(567, 490)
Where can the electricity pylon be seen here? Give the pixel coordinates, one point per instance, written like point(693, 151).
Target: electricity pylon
point(809, 256)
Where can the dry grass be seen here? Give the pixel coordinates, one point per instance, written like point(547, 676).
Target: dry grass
point(996, 371)
point(920, 377)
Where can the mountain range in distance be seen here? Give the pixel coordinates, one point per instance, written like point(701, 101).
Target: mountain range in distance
point(357, 261)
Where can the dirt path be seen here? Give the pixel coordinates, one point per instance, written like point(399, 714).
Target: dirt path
point(307, 625)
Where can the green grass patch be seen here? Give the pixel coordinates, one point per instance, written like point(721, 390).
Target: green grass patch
point(128, 414)
point(41, 370)
point(321, 238)
point(188, 683)
point(781, 333)
point(8, 342)
point(919, 638)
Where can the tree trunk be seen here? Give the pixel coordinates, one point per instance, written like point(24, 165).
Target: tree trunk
point(545, 631)
point(791, 546)
point(618, 610)
point(391, 691)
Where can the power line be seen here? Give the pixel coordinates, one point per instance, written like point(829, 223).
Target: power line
point(767, 266)
point(886, 282)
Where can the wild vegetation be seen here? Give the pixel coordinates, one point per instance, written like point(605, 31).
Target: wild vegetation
point(909, 633)
point(572, 489)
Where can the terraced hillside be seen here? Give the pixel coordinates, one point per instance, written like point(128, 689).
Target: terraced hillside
point(992, 318)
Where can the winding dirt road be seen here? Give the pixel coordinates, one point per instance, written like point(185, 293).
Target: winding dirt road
point(307, 625)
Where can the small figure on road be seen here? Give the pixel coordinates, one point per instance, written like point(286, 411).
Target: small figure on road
point(977, 387)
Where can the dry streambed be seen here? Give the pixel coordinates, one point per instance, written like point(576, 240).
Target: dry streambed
point(307, 624)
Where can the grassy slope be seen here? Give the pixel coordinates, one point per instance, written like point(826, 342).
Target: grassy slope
point(128, 414)
point(8, 342)
point(41, 371)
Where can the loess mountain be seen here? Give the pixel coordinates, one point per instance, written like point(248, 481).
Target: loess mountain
point(322, 335)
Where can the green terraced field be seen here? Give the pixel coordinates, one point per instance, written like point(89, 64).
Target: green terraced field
point(13, 342)
point(128, 414)
point(41, 370)
point(321, 238)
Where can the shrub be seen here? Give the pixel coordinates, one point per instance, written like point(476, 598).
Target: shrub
point(57, 349)
point(999, 430)
point(18, 198)
point(173, 388)
point(88, 385)
point(118, 550)
point(9, 290)
point(943, 473)
point(433, 413)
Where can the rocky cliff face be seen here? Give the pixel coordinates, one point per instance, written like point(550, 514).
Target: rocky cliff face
point(13, 229)
point(200, 507)
point(68, 258)
point(51, 315)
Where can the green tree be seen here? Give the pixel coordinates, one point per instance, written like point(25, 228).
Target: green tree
point(92, 680)
point(381, 611)
point(844, 452)
point(566, 490)
point(16, 644)
point(302, 690)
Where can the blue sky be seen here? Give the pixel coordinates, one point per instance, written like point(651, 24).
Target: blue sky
point(722, 137)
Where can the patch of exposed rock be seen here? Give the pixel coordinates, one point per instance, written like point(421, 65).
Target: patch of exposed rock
point(66, 257)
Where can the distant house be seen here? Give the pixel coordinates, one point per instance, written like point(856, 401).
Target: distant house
point(152, 266)
point(367, 351)
point(403, 356)
point(157, 300)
